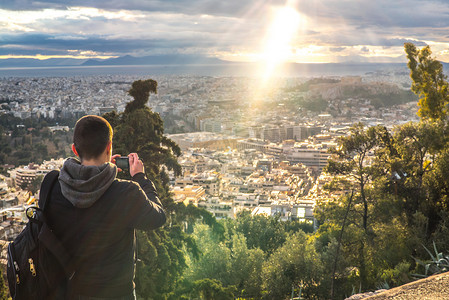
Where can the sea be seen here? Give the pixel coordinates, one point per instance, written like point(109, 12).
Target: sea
point(231, 70)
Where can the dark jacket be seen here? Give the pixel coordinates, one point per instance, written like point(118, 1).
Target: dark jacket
point(100, 237)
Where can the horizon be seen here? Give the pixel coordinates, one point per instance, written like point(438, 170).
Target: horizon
point(249, 70)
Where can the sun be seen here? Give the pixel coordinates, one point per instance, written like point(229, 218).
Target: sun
point(278, 48)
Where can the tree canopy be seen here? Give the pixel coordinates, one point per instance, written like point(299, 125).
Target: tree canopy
point(428, 82)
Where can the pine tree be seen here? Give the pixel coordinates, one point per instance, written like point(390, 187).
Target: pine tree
point(429, 82)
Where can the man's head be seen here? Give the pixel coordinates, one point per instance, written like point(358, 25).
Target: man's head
point(92, 137)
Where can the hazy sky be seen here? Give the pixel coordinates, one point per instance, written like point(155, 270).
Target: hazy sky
point(239, 30)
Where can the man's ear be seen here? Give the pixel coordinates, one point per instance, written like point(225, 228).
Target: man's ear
point(74, 150)
point(109, 148)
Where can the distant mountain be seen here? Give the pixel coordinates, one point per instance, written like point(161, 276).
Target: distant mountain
point(120, 61)
point(35, 63)
point(170, 59)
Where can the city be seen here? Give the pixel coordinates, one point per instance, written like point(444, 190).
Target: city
point(265, 155)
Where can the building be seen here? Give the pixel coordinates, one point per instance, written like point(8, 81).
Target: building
point(209, 181)
point(189, 194)
point(312, 157)
point(25, 175)
point(252, 143)
point(219, 208)
point(245, 201)
point(207, 140)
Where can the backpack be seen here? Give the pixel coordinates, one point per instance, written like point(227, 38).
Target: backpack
point(38, 266)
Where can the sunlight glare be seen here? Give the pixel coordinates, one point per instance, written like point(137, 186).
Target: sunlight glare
point(278, 40)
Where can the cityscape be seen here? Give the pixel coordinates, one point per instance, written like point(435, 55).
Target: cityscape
point(241, 150)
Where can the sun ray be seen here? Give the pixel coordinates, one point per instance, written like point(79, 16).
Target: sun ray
point(278, 48)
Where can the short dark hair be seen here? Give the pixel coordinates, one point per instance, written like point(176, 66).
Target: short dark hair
point(91, 136)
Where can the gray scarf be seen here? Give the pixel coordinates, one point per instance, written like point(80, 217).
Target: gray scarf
point(83, 185)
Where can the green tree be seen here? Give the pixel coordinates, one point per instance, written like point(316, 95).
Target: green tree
point(428, 82)
point(4, 290)
point(141, 130)
point(228, 261)
point(294, 266)
point(211, 289)
point(35, 184)
point(161, 259)
point(352, 159)
point(215, 259)
point(263, 232)
point(417, 147)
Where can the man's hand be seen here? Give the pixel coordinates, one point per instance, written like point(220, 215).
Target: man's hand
point(113, 157)
point(135, 164)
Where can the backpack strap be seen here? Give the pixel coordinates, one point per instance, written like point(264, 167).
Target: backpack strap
point(46, 235)
point(52, 243)
point(46, 187)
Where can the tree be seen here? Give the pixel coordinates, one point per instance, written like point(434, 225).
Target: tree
point(35, 184)
point(351, 158)
point(140, 91)
point(227, 261)
point(214, 262)
point(263, 232)
point(211, 289)
point(295, 265)
point(161, 259)
point(417, 148)
point(4, 290)
point(428, 82)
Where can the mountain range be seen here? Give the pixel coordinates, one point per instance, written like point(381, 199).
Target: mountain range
point(170, 59)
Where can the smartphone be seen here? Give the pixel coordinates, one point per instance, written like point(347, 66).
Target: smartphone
point(122, 162)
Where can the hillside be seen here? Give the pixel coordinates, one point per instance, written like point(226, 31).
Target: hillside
point(432, 288)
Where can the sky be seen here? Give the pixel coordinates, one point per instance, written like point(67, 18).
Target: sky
point(303, 31)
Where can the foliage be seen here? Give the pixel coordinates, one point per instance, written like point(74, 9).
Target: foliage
point(315, 104)
point(29, 140)
point(351, 158)
point(415, 162)
point(161, 256)
point(261, 232)
point(35, 184)
point(228, 258)
point(140, 130)
point(391, 99)
point(230, 262)
point(398, 275)
point(211, 289)
point(429, 82)
point(295, 264)
point(399, 182)
point(438, 263)
point(4, 290)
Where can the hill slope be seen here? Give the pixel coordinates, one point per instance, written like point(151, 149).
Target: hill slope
point(432, 288)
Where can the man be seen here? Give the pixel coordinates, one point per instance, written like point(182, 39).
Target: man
point(95, 215)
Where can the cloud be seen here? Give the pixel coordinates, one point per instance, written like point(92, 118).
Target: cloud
point(212, 7)
point(336, 49)
point(125, 32)
point(380, 13)
point(235, 27)
point(364, 49)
